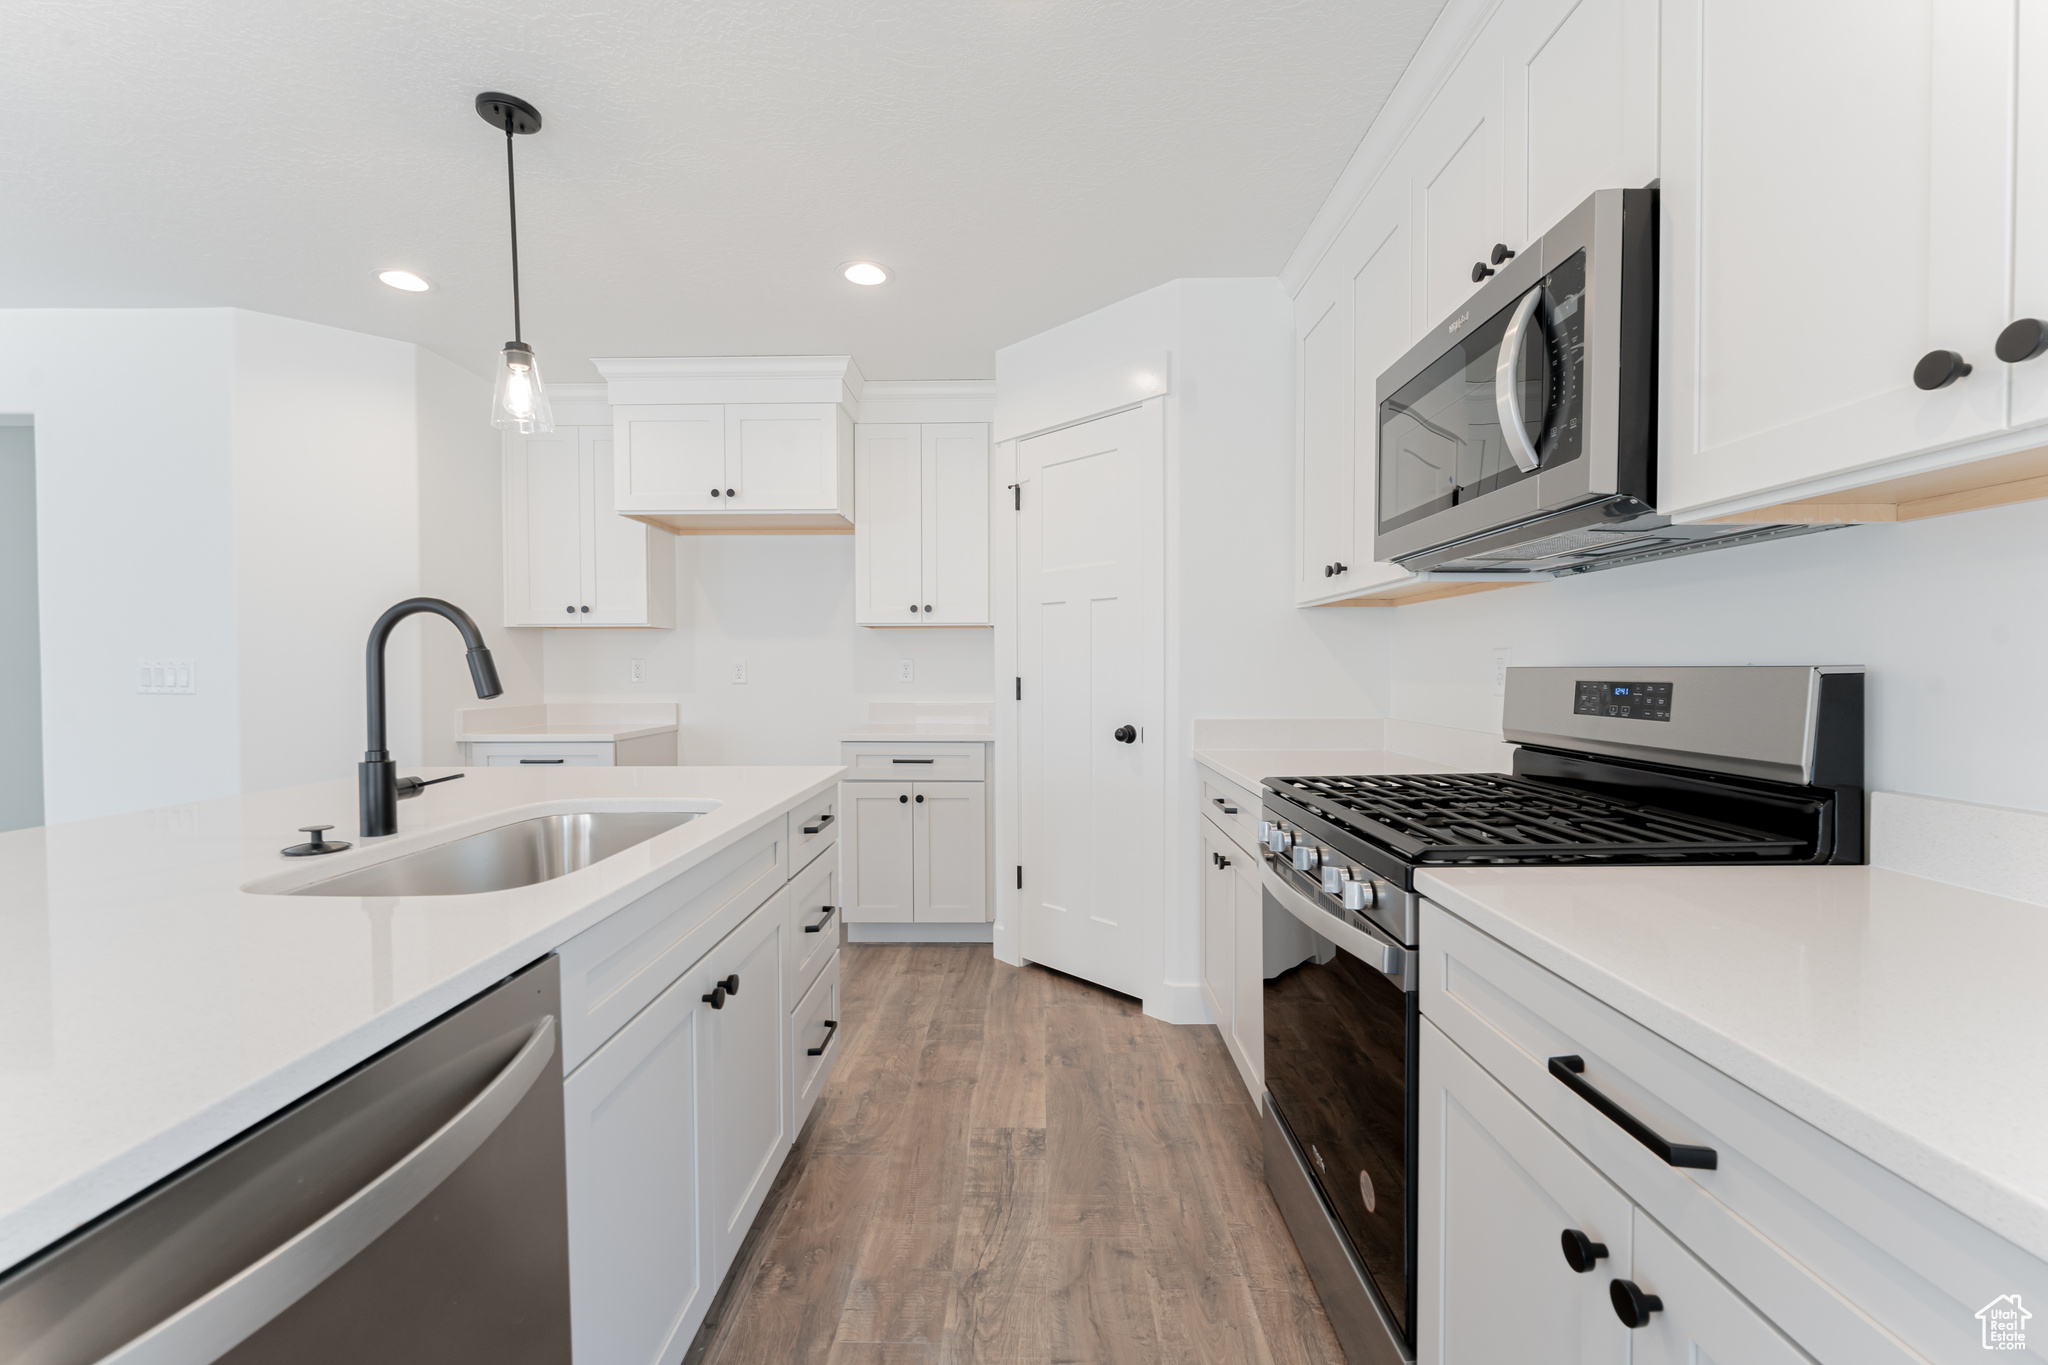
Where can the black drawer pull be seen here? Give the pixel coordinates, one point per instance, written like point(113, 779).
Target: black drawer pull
point(1581, 1251)
point(1631, 1304)
point(731, 985)
point(831, 1027)
point(819, 824)
point(913, 760)
point(540, 760)
point(823, 920)
point(1567, 1069)
point(1227, 809)
point(717, 997)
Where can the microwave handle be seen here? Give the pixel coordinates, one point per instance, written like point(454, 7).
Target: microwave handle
point(1507, 400)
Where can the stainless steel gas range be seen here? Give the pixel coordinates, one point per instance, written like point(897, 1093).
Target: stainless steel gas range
point(1627, 766)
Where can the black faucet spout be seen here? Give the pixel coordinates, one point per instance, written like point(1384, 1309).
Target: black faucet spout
point(377, 775)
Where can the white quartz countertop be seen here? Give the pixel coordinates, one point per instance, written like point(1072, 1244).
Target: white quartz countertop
point(978, 734)
point(1248, 767)
point(150, 1008)
point(1906, 1018)
point(565, 734)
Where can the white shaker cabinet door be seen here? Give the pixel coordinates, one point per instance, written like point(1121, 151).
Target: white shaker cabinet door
point(639, 1248)
point(1324, 472)
point(1219, 926)
point(950, 840)
point(1835, 207)
point(669, 456)
point(1453, 161)
point(955, 532)
point(2030, 210)
point(1698, 1318)
point(1382, 329)
point(1499, 1192)
point(888, 528)
point(746, 1131)
point(623, 559)
point(1248, 1005)
point(877, 872)
point(1580, 105)
point(544, 528)
point(784, 456)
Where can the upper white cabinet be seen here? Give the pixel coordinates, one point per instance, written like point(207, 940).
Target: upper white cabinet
point(921, 524)
point(1806, 277)
point(738, 445)
point(570, 559)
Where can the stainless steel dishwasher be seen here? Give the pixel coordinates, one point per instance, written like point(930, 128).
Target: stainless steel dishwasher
point(411, 1211)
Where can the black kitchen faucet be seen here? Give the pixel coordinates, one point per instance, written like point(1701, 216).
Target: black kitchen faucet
point(377, 780)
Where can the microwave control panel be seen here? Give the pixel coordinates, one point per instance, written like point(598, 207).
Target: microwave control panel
point(1626, 700)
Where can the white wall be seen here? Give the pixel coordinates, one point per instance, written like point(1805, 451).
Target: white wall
point(1949, 614)
point(1235, 644)
point(21, 684)
point(784, 604)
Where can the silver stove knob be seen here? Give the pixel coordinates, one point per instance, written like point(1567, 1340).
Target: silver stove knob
point(1305, 857)
point(1334, 877)
point(1280, 839)
point(1266, 828)
point(1361, 895)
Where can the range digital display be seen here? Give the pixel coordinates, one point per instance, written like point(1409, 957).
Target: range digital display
point(1625, 700)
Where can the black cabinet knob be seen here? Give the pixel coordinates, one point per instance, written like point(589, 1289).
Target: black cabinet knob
point(913, 608)
point(714, 492)
point(1501, 253)
point(1125, 735)
point(1329, 571)
point(731, 985)
point(904, 799)
point(920, 798)
point(2023, 340)
point(1939, 369)
point(1580, 1251)
point(586, 610)
point(1479, 271)
point(717, 998)
point(729, 493)
point(1632, 1305)
point(927, 606)
point(1341, 567)
point(570, 610)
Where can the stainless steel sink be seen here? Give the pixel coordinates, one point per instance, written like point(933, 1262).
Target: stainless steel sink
point(521, 854)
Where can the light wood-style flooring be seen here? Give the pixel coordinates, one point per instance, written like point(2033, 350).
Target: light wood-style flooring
point(1012, 1166)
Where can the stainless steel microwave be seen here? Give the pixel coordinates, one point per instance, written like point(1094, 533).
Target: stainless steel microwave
point(1520, 435)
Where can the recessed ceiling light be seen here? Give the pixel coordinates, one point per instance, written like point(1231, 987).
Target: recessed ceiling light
point(864, 272)
point(404, 279)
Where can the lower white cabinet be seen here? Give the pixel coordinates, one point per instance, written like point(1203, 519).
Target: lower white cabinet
point(1697, 1318)
point(813, 1041)
point(1233, 949)
point(741, 1009)
point(916, 852)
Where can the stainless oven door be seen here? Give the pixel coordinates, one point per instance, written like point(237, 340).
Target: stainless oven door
point(1341, 1041)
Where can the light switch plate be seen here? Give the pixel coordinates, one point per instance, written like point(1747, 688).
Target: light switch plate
point(1501, 657)
point(640, 670)
point(739, 671)
point(905, 672)
point(165, 677)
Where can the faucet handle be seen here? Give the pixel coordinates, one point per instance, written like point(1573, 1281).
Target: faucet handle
point(409, 787)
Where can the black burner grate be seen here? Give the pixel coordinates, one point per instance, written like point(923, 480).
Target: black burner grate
point(1468, 817)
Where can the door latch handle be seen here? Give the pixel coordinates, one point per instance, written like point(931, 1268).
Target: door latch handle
point(1125, 734)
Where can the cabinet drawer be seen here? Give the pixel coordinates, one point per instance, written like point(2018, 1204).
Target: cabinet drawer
point(1848, 1259)
point(1237, 814)
point(813, 922)
point(914, 762)
point(813, 827)
point(506, 755)
point(612, 970)
point(815, 1023)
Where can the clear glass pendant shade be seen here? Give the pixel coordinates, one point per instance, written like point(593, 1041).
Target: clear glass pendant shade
point(518, 400)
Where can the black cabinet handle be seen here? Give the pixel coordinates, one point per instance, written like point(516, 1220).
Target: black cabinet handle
point(731, 985)
point(714, 492)
point(1501, 253)
point(920, 798)
point(913, 760)
point(823, 920)
point(1632, 1305)
point(1125, 735)
point(1329, 570)
point(1580, 1251)
point(1342, 567)
point(1567, 1069)
point(570, 610)
point(1479, 271)
point(904, 799)
point(831, 1027)
point(927, 606)
point(1939, 369)
point(586, 609)
point(539, 760)
point(913, 608)
point(1227, 809)
point(1222, 860)
point(717, 997)
point(818, 824)
point(2022, 340)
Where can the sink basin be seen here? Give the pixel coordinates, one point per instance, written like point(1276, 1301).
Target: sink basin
point(521, 854)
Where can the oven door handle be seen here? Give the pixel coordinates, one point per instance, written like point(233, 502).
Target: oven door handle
point(1507, 398)
point(1369, 946)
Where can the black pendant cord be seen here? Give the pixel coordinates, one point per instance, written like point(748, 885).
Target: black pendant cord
point(512, 203)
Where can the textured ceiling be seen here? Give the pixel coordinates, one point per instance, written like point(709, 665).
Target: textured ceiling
point(704, 169)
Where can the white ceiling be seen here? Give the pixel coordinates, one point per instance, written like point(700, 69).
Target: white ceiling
point(706, 164)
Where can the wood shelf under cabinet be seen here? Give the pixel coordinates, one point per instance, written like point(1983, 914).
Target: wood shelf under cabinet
point(1995, 482)
point(1413, 591)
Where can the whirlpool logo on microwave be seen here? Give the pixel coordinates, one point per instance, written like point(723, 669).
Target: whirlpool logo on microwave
point(1458, 322)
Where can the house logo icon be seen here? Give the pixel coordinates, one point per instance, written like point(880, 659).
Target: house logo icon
point(2005, 1323)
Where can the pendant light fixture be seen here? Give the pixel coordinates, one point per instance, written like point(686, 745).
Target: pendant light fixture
point(518, 400)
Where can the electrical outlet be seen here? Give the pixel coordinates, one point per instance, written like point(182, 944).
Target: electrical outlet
point(739, 671)
point(640, 670)
point(164, 676)
point(904, 671)
point(1500, 671)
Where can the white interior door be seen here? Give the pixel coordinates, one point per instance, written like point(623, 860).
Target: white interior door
point(887, 524)
point(1089, 626)
point(878, 867)
point(951, 847)
point(955, 554)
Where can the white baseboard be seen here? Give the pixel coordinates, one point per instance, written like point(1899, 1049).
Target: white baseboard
point(920, 933)
point(1179, 1002)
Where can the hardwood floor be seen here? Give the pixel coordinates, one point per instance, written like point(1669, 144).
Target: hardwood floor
point(1010, 1166)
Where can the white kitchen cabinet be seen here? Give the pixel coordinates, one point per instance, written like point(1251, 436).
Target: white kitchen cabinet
point(2030, 209)
point(1805, 277)
point(814, 1041)
point(570, 559)
point(1219, 924)
point(640, 1248)
point(1698, 1318)
point(916, 852)
point(1233, 927)
point(1498, 1192)
point(742, 1012)
point(921, 524)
